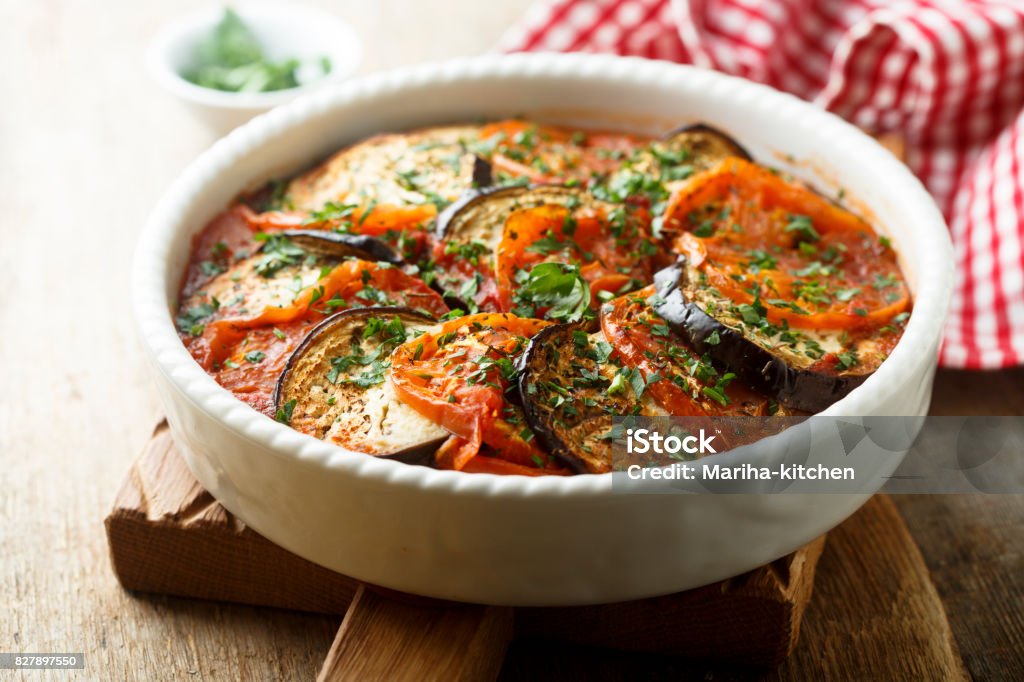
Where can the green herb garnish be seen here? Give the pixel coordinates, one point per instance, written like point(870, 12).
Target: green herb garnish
point(231, 59)
point(277, 252)
point(555, 286)
point(284, 414)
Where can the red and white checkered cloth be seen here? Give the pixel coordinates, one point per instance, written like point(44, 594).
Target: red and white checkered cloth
point(947, 75)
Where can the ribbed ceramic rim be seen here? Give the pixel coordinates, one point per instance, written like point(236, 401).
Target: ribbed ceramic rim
point(151, 260)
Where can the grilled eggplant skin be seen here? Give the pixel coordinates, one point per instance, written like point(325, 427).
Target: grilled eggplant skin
point(339, 245)
point(563, 386)
point(795, 387)
point(707, 145)
point(683, 153)
point(574, 441)
point(366, 417)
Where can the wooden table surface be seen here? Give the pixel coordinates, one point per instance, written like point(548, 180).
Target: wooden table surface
point(87, 145)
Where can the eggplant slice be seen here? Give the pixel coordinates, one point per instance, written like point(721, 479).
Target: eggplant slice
point(778, 362)
point(680, 155)
point(705, 146)
point(335, 386)
point(564, 387)
point(339, 246)
point(285, 264)
point(478, 218)
point(433, 165)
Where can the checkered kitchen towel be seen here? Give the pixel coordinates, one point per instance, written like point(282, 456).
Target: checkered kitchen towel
point(947, 75)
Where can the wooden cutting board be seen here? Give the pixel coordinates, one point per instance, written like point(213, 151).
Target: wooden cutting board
point(167, 535)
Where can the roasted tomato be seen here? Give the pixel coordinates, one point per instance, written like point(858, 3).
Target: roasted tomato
point(459, 376)
point(405, 228)
point(488, 463)
point(252, 359)
point(226, 239)
point(261, 308)
point(609, 244)
point(804, 369)
point(762, 240)
point(681, 381)
point(469, 232)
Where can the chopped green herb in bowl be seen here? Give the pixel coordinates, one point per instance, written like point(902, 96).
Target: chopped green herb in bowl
point(231, 59)
point(228, 65)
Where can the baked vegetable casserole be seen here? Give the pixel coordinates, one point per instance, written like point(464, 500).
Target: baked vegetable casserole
point(487, 298)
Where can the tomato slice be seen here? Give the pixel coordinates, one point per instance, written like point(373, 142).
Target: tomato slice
point(374, 219)
point(358, 282)
point(256, 358)
point(458, 377)
point(614, 252)
point(215, 247)
point(226, 343)
point(681, 381)
point(407, 228)
point(812, 265)
point(470, 278)
point(487, 463)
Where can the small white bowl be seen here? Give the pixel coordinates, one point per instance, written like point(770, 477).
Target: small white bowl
point(283, 30)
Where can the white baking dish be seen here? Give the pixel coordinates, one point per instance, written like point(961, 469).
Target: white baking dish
point(517, 540)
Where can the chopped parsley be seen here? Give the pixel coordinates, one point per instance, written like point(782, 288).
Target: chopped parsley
point(752, 313)
point(390, 333)
point(760, 260)
point(547, 245)
point(284, 414)
point(845, 295)
point(277, 252)
point(331, 211)
point(210, 268)
point(192, 319)
point(705, 229)
point(255, 356)
point(804, 228)
point(469, 251)
point(847, 359)
point(557, 288)
point(231, 59)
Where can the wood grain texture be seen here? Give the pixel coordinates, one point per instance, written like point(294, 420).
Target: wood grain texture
point(753, 618)
point(975, 552)
point(875, 616)
point(384, 638)
point(167, 535)
point(88, 143)
point(974, 544)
